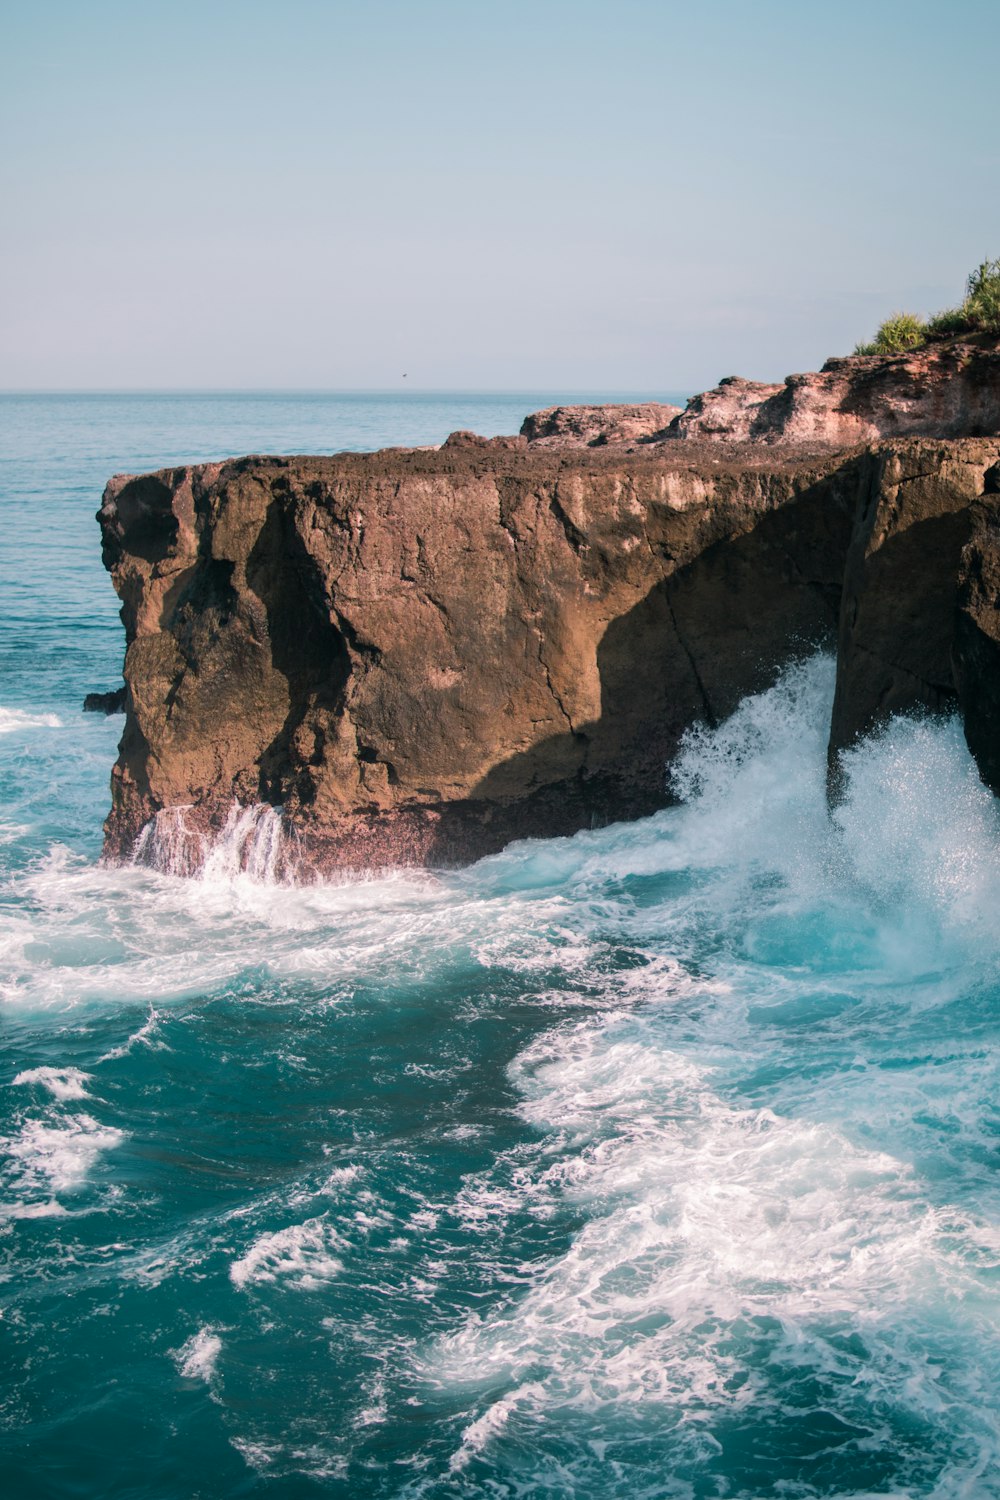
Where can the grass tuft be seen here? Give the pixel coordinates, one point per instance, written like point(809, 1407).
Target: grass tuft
point(897, 334)
point(982, 298)
point(979, 313)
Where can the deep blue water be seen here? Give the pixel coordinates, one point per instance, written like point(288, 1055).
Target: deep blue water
point(657, 1162)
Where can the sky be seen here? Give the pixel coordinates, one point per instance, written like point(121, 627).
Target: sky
point(338, 194)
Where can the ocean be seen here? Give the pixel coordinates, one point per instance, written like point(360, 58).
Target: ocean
point(661, 1161)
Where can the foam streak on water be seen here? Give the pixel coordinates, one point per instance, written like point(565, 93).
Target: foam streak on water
point(660, 1161)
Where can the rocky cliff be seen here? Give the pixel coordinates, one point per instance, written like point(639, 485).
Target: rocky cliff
point(948, 389)
point(916, 582)
point(420, 655)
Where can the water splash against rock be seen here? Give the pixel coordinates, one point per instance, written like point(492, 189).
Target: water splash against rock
point(251, 842)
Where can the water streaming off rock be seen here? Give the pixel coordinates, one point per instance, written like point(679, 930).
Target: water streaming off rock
point(251, 842)
point(659, 1161)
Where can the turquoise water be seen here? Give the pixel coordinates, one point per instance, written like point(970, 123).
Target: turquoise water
point(657, 1162)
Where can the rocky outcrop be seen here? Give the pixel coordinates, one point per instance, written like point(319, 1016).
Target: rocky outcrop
point(112, 702)
point(595, 426)
point(418, 655)
point(422, 655)
point(948, 389)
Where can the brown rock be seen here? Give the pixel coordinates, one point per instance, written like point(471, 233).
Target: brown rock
point(944, 390)
point(594, 426)
point(976, 654)
point(421, 655)
point(902, 579)
point(112, 702)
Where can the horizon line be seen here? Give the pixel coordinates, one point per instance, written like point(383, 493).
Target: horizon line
point(329, 390)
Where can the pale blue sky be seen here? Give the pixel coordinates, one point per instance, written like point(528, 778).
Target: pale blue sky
point(325, 193)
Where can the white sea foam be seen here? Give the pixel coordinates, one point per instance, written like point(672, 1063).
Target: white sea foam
point(115, 936)
point(377, 1409)
point(910, 860)
point(49, 1209)
point(302, 1255)
point(144, 1036)
point(13, 720)
point(724, 1245)
point(733, 1233)
point(196, 1358)
point(731, 1246)
point(341, 1178)
point(62, 1083)
point(57, 1154)
point(256, 1456)
point(922, 833)
point(477, 1436)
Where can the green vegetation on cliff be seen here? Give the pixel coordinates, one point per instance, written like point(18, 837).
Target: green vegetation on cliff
point(979, 313)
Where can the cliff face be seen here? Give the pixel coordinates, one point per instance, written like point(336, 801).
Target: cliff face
point(420, 655)
point(915, 583)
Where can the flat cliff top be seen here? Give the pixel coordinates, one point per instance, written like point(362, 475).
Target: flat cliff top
point(515, 457)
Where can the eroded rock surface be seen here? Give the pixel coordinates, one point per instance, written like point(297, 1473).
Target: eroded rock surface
point(919, 592)
point(595, 426)
point(111, 702)
point(422, 655)
point(976, 649)
point(948, 390)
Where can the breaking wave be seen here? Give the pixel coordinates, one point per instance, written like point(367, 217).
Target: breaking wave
point(13, 720)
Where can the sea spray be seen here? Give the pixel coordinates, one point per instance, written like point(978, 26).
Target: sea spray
point(251, 842)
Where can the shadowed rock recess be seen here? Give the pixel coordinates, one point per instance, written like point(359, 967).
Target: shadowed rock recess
point(419, 655)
